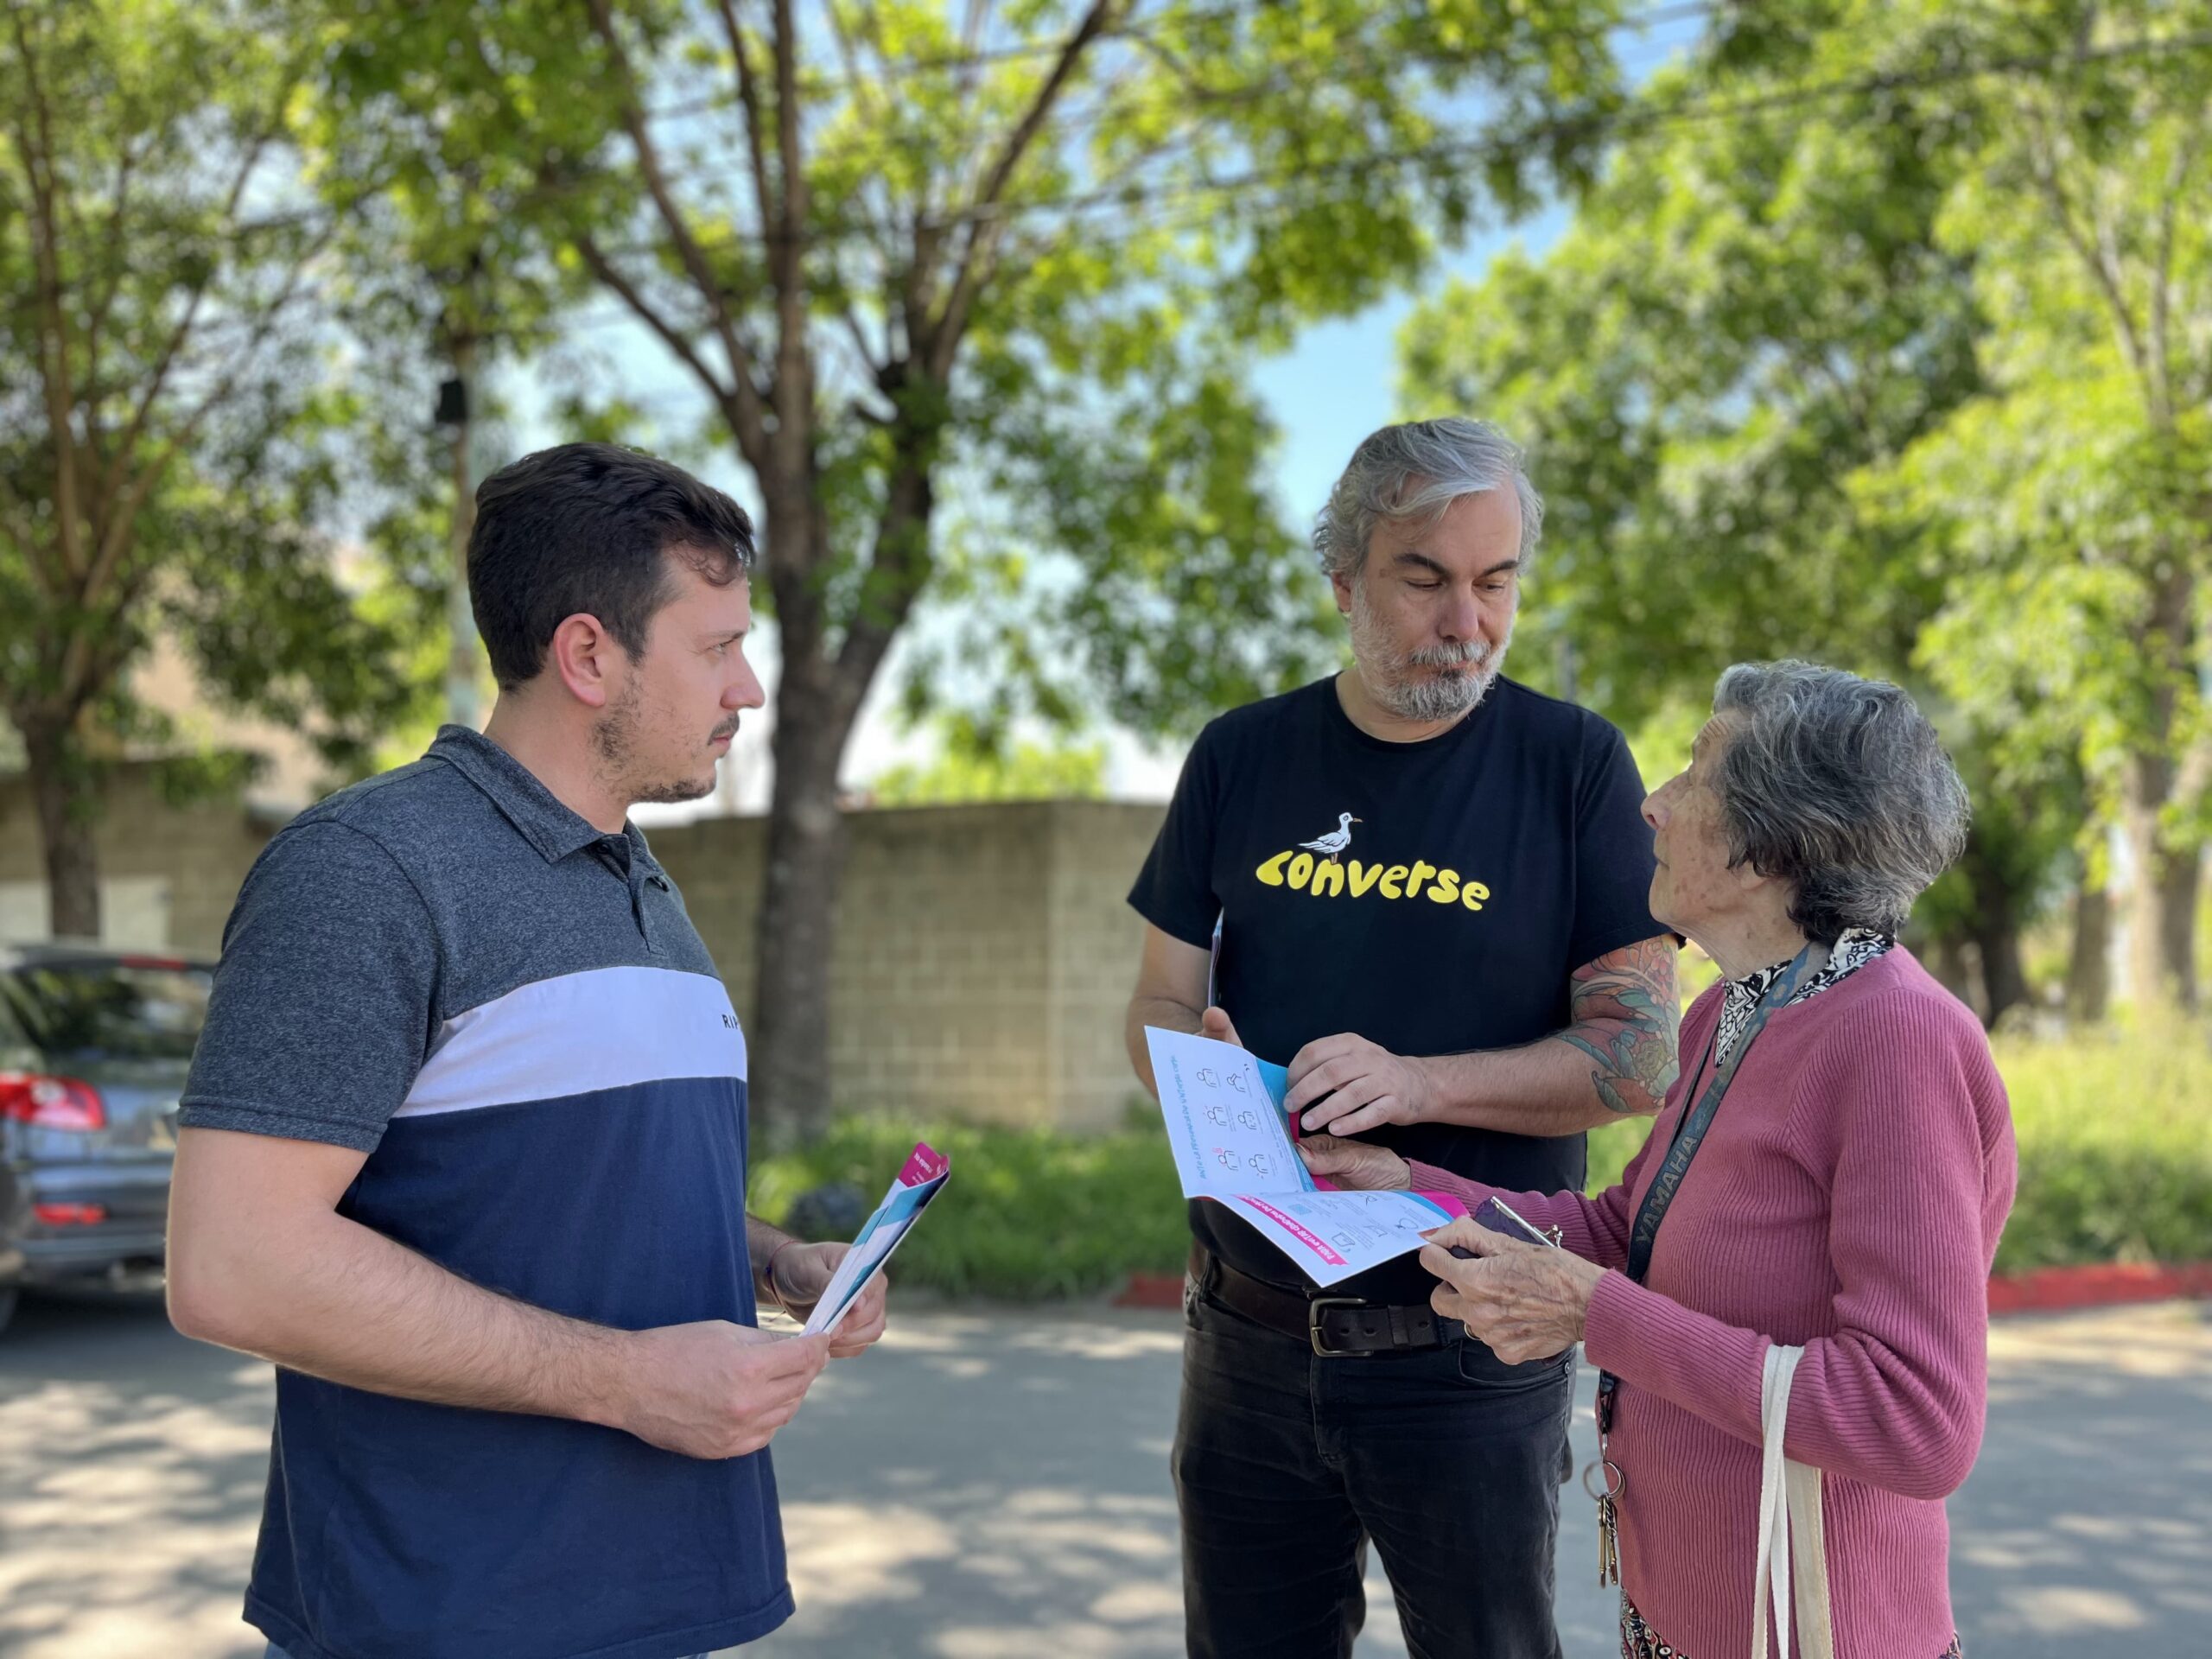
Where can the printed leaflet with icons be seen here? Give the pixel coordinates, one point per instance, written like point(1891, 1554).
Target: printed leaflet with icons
point(1232, 1144)
point(922, 1180)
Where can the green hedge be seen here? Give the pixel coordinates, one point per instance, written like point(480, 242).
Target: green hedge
point(2115, 1164)
point(2116, 1148)
point(1029, 1214)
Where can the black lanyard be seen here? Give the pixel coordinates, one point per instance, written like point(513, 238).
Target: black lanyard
point(1690, 1136)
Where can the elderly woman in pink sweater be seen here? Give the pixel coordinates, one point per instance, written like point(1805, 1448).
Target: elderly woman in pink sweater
point(1826, 1180)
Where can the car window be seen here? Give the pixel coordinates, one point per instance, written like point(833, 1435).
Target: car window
point(83, 1012)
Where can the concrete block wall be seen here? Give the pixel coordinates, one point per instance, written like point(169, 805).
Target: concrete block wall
point(200, 852)
point(984, 954)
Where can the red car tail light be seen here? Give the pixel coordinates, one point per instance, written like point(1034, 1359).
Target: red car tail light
point(51, 1102)
point(69, 1215)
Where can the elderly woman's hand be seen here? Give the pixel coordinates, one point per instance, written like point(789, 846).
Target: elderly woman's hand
point(1525, 1300)
point(1355, 1164)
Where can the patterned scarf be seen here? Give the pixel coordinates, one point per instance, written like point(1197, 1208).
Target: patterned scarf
point(1854, 949)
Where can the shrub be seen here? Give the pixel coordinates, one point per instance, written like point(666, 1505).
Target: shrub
point(2115, 1135)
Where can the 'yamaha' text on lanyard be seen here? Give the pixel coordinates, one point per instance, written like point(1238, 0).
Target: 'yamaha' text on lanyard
point(1689, 1135)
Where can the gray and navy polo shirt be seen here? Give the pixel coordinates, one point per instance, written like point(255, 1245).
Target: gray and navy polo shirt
point(511, 1013)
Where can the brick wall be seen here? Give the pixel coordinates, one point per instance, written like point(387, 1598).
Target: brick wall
point(984, 954)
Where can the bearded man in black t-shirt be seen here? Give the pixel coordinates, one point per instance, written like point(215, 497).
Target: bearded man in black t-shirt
point(1423, 888)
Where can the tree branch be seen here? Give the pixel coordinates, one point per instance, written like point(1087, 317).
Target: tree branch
point(786, 244)
point(947, 328)
point(119, 532)
point(2043, 162)
point(2162, 274)
point(748, 93)
point(116, 257)
point(603, 267)
point(742, 401)
point(118, 463)
point(866, 93)
point(36, 137)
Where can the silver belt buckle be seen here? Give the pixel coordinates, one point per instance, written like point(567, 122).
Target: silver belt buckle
point(1313, 1311)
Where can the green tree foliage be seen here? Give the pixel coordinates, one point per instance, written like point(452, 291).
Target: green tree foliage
point(445, 247)
point(2072, 496)
point(163, 409)
point(960, 287)
point(977, 764)
point(1771, 378)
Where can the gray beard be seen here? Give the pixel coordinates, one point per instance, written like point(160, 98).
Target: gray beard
point(1391, 677)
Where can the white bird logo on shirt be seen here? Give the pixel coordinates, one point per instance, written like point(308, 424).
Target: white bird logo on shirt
point(1336, 841)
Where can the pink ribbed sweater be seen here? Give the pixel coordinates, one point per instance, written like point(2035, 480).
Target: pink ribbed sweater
point(1848, 1198)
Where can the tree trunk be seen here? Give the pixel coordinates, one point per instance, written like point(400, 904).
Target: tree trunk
point(2004, 981)
point(462, 704)
point(1994, 929)
point(2162, 900)
point(2088, 964)
point(61, 786)
point(818, 700)
point(788, 1095)
point(1945, 960)
point(2162, 903)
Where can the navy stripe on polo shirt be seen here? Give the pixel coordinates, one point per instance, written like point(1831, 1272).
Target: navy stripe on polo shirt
point(511, 1015)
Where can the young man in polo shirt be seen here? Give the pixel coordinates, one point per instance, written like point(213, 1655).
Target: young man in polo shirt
point(1430, 885)
point(464, 1147)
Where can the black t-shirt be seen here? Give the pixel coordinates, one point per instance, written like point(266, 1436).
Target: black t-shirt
point(1480, 868)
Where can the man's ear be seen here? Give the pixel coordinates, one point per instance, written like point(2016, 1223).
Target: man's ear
point(583, 655)
point(1342, 584)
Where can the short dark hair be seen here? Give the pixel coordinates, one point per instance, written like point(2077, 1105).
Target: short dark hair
point(1840, 787)
point(589, 527)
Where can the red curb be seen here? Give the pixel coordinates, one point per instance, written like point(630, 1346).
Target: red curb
point(2105, 1284)
point(2044, 1290)
point(1152, 1290)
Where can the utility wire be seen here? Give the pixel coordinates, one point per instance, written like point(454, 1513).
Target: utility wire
point(1631, 119)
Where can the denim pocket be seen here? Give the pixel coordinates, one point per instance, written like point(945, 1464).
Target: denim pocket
point(1480, 1368)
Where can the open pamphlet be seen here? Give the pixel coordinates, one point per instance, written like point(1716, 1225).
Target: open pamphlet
point(921, 1180)
point(1232, 1141)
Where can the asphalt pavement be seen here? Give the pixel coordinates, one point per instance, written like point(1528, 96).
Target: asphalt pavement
point(992, 1482)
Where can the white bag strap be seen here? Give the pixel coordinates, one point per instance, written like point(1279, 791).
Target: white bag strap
point(1792, 1534)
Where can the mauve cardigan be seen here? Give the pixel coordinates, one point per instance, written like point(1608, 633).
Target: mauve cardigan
point(1847, 1199)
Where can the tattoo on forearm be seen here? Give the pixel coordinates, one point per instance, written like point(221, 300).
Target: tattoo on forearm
point(1625, 1014)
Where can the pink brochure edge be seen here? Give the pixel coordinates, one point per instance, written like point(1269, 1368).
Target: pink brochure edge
point(924, 1163)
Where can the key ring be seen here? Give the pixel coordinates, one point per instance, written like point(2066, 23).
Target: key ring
point(1615, 1483)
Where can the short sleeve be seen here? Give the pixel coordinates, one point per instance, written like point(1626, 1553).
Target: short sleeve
point(1175, 891)
point(1613, 856)
point(320, 1014)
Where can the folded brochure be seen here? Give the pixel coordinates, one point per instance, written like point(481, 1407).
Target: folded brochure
point(1232, 1141)
point(922, 1180)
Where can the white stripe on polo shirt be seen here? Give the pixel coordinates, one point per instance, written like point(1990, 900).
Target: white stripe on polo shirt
point(578, 1034)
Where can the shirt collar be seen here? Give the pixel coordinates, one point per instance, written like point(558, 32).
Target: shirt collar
point(555, 829)
point(1853, 947)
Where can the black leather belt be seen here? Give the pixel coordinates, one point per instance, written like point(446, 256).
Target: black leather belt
point(1338, 1327)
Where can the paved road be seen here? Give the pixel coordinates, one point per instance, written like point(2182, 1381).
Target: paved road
point(993, 1485)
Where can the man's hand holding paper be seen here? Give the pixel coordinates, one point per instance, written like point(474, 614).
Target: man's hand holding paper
point(802, 1273)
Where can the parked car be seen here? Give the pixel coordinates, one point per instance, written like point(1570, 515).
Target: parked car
point(94, 1047)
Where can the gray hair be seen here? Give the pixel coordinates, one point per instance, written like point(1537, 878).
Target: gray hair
point(1415, 472)
point(1839, 786)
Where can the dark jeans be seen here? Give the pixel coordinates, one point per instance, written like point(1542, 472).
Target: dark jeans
point(1286, 1464)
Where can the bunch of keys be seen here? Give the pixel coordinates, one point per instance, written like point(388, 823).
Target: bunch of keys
point(1609, 1534)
